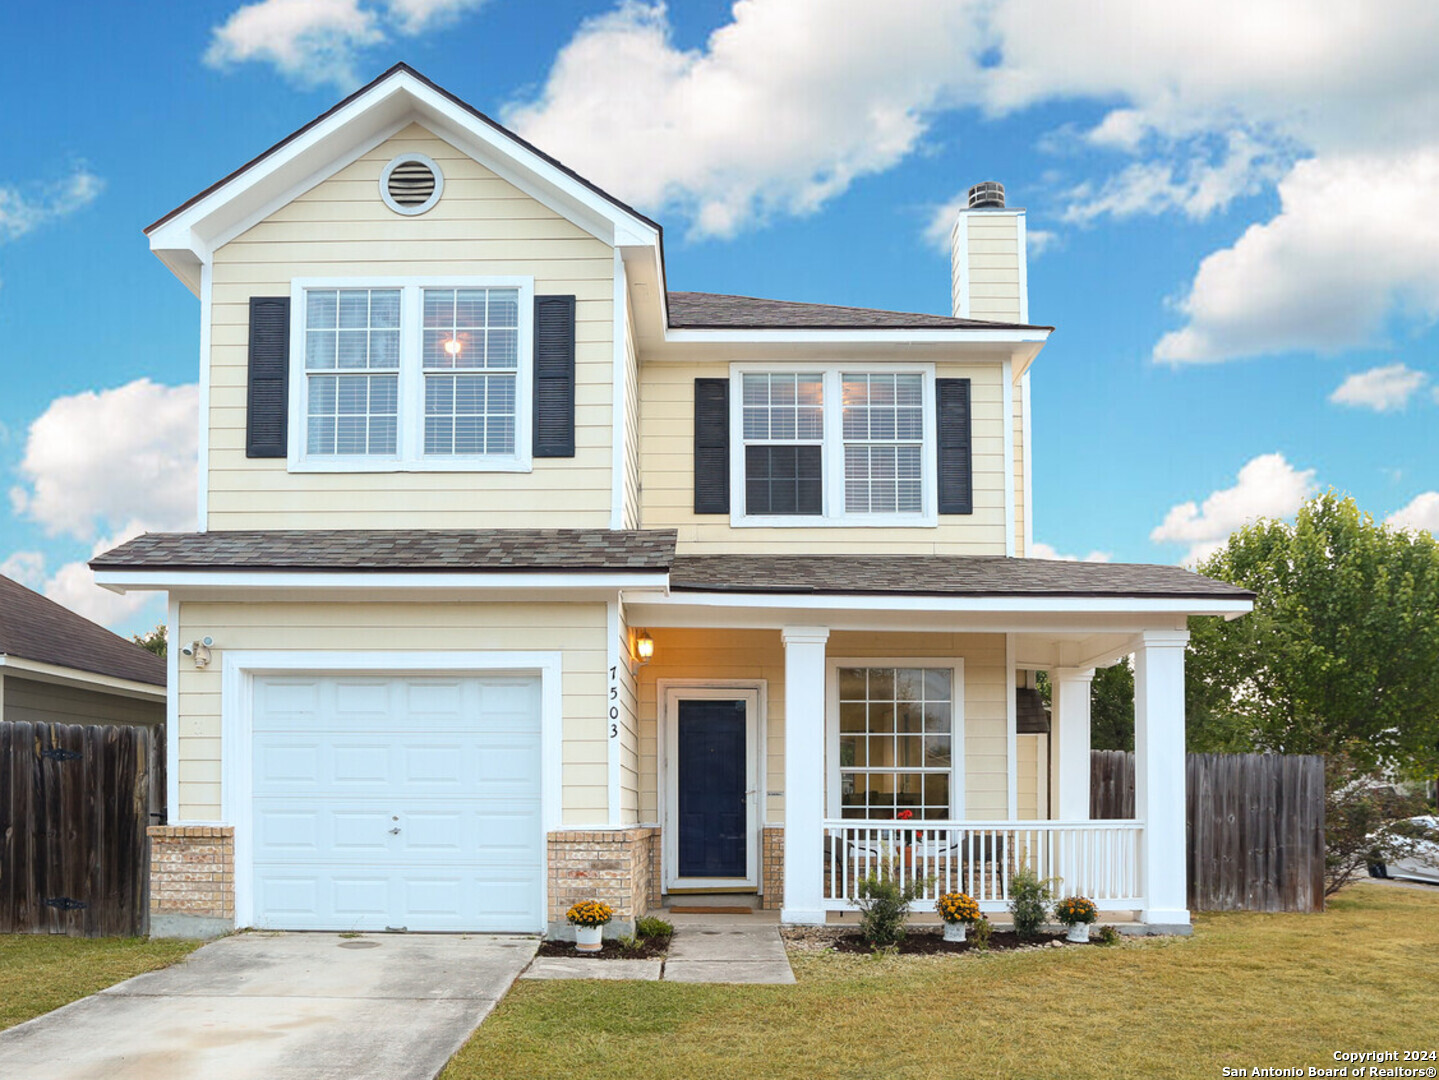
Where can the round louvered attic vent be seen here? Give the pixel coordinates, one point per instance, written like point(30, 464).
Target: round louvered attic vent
point(411, 184)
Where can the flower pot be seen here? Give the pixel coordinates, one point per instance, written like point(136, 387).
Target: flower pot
point(1078, 933)
point(589, 938)
point(955, 931)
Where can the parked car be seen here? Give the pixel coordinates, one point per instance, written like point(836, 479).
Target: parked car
point(1421, 862)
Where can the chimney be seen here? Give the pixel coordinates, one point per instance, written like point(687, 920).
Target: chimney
point(989, 279)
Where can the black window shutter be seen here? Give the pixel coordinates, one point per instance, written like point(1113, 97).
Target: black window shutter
point(956, 455)
point(554, 376)
point(711, 446)
point(267, 406)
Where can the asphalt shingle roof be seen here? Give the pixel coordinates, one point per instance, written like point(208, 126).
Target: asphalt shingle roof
point(397, 549)
point(717, 311)
point(940, 575)
point(35, 628)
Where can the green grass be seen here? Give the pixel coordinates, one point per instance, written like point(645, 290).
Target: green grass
point(40, 972)
point(1246, 990)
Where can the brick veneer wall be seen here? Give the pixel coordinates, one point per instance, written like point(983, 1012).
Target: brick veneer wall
point(613, 865)
point(192, 880)
point(772, 867)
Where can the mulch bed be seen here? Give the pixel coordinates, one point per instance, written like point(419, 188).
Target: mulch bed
point(918, 942)
point(651, 948)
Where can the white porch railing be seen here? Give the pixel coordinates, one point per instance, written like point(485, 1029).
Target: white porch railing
point(1097, 859)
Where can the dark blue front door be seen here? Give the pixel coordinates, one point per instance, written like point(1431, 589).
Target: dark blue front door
point(712, 815)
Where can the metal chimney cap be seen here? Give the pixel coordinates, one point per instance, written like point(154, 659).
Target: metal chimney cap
point(988, 193)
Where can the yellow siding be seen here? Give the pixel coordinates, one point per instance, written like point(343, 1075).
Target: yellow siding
point(667, 499)
point(626, 701)
point(482, 225)
point(994, 266)
point(32, 702)
point(1032, 776)
point(578, 630)
point(759, 656)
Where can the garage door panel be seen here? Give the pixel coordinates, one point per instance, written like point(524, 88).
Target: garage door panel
point(452, 763)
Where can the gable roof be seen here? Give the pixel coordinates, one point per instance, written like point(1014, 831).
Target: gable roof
point(714, 311)
point(33, 627)
point(185, 237)
point(381, 78)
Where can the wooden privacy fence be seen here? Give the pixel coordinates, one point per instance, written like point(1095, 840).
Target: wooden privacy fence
point(1255, 826)
point(74, 804)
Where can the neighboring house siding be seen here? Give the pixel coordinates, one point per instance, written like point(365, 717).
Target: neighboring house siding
point(578, 630)
point(696, 655)
point(34, 702)
point(481, 226)
point(994, 266)
point(667, 497)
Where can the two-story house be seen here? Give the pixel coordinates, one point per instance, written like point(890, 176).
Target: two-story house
point(520, 579)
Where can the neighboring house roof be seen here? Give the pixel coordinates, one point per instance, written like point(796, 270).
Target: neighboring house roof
point(940, 575)
point(494, 550)
point(716, 311)
point(35, 628)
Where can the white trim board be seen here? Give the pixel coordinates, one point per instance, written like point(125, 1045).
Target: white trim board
point(478, 581)
point(239, 668)
point(756, 694)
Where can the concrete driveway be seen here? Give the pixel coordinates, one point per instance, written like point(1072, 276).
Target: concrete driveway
point(279, 1007)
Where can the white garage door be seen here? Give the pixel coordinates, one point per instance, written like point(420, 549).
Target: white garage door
point(389, 802)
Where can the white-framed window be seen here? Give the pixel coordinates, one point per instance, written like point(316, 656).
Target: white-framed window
point(410, 374)
point(835, 444)
point(895, 739)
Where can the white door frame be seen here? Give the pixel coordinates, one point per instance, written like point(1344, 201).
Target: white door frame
point(668, 693)
point(240, 667)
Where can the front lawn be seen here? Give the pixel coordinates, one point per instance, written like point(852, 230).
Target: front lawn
point(1245, 991)
point(40, 972)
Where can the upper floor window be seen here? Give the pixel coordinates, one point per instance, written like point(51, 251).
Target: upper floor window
point(412, 375)
point(835, 445)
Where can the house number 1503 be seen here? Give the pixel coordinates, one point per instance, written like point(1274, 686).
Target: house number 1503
point(614, 716)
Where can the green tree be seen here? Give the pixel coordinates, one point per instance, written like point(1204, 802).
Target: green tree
point(154, 641)
point(1341, 652)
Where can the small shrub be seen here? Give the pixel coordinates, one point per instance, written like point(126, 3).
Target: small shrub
point(1029, 899)
point(628, 942)
point(652, 926)
point(980, 933)
point(1109, 935)
point(884, 906)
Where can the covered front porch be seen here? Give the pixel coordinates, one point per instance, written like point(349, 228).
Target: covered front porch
point(886, 732)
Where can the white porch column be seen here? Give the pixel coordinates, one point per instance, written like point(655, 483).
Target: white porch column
point(1159, 767)
point(1069, 742)
point(804, 774)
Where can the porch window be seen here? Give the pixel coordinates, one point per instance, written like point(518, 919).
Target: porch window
point(895, 741)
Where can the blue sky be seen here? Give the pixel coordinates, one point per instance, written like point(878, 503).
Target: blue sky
point(1222, 246)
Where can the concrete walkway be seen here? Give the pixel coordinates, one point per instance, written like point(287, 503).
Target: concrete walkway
point(279, 1007)
point(704, 949)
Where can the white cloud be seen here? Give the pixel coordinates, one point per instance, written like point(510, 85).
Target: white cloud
point(318, 42)
point(1038, 241)
point(418, 16)
point(26, 567)
point(1355, 240)
point(1421, 513)
point(309, 41)
point(1383, 389)
point(95, 461)
point(22, 212)
point(1267, 487)
point(781, 109)
point(100, 468)
point(1041, 550)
